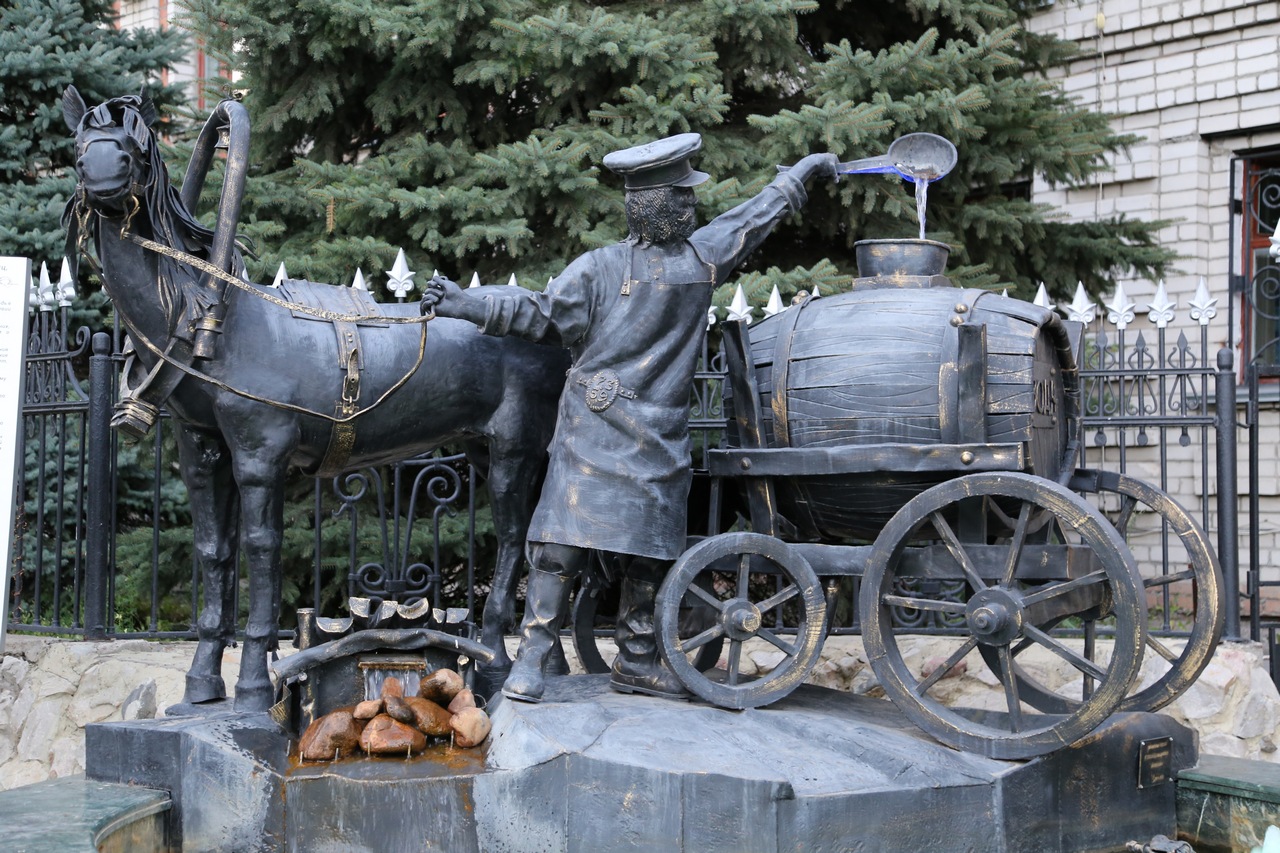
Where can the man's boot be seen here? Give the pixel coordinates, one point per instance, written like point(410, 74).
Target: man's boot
point(639, 668)
point(545, 608)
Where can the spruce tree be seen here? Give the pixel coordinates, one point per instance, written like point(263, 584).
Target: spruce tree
point(45, 45)
point(470, 133)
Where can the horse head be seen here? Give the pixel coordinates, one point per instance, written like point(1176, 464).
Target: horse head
point(115, 148)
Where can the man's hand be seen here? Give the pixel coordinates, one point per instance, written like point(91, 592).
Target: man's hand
point(446, 298)
point(821, 165)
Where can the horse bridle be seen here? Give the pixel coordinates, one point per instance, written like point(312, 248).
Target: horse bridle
point(82, 210)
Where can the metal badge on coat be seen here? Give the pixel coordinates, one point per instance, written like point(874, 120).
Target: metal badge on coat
point(603, 388)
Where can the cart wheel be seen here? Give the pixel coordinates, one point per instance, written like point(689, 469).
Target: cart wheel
point(1125, 500)
point(1077, 567)
point(755, 586)
point(593, 607)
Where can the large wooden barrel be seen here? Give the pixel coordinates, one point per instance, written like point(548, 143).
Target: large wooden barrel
point(886, 365)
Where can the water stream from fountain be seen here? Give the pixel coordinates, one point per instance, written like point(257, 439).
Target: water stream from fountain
point(921, 176)
point(922, 200)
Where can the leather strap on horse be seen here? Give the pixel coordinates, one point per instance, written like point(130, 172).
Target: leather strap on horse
point(139, 405)
point(347, 411)
point(279, 404)
point(342, 438)
point(205, 266)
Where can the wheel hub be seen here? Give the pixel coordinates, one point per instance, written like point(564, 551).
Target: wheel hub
point(741, 619)
point(994, 617)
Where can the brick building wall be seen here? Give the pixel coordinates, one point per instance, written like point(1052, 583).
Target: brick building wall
point(197, 66)
point(1199, 81)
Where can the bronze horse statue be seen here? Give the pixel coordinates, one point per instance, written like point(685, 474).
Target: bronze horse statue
point(266, 400)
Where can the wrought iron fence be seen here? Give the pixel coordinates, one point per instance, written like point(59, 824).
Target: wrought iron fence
point(1156, 405)
point(49, 566)
point(1159, 404)
point(104, 530)
point(1255, 280)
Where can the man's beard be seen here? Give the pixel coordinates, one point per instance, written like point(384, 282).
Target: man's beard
point(661, 216)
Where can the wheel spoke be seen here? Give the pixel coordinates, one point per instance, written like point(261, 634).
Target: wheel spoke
point(1056, 590)
point(1121, 524)
point(1161, 580)
point(1010, 681)
point(938, 606)
point(1085, 665)
point(957, 550)
point(778, 642)
point(735, 660)
point(777, 598)
point(1161, 649)
point(1015, 546)
point(922, 687)
point(744, 569)
point(1090, 649)
point(1022, 646)
point(699, 640)
point(706, 596)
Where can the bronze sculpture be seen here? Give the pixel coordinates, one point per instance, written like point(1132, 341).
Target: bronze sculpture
point(355, 398)
point(633, 316)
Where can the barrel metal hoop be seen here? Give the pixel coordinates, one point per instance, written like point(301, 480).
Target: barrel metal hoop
point(781, 373)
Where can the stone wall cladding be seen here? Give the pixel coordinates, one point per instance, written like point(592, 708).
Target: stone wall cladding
point(50, 689)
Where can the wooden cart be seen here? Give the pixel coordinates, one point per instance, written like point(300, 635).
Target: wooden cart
point(975, 489)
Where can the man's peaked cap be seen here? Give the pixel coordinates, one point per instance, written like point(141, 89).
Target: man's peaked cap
point(664, 163)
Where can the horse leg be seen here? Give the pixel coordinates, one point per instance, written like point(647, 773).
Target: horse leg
point(259, 474)
point(206, 470)
point(514, 473)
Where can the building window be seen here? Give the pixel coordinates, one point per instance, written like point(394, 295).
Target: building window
point(1261, 211)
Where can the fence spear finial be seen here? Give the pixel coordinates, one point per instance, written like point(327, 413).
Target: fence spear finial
point(1042, 297)
point(1160, 309)
point(1203, 308)
point(739, 309)
point(1120, 309)
point(66, 285)
point(400, 279)
point(1082, 309)
point(775, 303)
point(47, 297)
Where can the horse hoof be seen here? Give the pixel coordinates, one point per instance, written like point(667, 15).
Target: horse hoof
point(204, 688)
point(254, 700)
point(489, 679)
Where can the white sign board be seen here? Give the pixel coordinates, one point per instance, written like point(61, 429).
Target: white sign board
point(15, 280)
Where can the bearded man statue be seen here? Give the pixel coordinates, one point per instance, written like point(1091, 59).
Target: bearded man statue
point(633, 316)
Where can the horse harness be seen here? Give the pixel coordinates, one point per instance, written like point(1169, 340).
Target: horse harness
point(346, 309)
point(140, 402)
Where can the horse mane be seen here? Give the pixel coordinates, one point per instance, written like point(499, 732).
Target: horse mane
point(162, 213)
point(174, 225)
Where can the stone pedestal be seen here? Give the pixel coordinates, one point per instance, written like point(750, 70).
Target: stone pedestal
point(591, 770)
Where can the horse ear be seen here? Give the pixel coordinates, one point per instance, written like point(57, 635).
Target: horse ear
point(148, 107)
point(73, 108)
